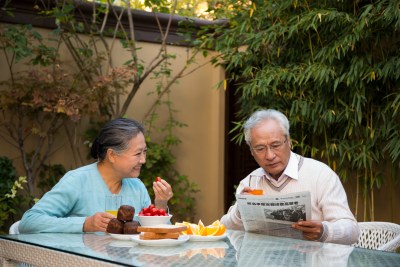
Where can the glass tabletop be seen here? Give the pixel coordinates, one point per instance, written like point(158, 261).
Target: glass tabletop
point(237, 249)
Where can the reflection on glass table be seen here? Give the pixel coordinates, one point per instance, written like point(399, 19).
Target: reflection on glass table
point(189, 253)
point(106, 248)
point(261, 250)
point(237, 249)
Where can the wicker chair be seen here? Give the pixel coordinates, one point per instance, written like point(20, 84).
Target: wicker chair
point(379, 235)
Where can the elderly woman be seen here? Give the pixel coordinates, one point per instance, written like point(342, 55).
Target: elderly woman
point(77, 202)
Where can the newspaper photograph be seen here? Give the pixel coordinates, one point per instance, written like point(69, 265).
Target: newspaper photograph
point(274, 215)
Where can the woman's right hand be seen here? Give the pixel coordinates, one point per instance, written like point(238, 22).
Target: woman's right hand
point(98, 222)
point(162, 192)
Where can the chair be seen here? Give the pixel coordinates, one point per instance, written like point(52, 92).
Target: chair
point(14, 228)
point(379, 235)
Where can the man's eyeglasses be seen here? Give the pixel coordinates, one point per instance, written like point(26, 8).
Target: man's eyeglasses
point(275, 147)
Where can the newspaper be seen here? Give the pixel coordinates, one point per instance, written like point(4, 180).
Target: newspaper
point(274, 215)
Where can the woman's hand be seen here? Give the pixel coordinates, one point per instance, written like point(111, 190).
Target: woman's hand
point(312, 230)
point(98, 222)
point(162, 192)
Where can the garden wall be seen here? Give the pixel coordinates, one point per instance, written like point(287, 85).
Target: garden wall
point(200, 105)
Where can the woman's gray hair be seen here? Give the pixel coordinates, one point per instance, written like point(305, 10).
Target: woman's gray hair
point(116, 135)
point(262, 115)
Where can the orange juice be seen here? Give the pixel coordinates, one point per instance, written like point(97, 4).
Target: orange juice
point(113, 203)
point(257, 192)
point(113, 212)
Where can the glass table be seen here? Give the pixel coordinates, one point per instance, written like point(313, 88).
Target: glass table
point(237, 249)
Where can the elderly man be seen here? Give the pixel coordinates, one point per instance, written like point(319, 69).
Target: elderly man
point(284, 172)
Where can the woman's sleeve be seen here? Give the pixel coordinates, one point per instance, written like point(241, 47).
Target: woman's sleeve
point(50, 213)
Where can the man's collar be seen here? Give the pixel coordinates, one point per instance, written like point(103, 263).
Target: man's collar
point(291, 170)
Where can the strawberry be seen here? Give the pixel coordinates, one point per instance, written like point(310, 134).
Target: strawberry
point(154, 211)
point(151, 210)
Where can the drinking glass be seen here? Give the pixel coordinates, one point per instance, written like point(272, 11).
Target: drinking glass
point(255, 184)
point(113, 203)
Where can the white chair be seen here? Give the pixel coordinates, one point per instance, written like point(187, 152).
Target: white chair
point(14, 228)
point(379, 235)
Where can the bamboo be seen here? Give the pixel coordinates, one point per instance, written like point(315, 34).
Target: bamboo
point(357, 195)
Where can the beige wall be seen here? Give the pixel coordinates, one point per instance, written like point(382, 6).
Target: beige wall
point(200, 156)
point(200, 105)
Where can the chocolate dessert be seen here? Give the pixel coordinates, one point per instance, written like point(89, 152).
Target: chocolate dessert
point(131, 227)
point(125, 213)
point(115, 226)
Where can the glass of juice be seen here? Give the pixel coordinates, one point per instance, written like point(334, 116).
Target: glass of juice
point(255, 184)
point(113, 203)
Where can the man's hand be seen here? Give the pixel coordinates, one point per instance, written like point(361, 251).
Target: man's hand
point(312, 230)
point(247, 191)
point(98, 222)
point(162, 192)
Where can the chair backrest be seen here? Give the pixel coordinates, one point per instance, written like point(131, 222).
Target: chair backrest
point(14, 228)
point(379, 235)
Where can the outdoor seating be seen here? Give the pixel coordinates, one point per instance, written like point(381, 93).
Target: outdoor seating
point(14, 228)
point(379, 235)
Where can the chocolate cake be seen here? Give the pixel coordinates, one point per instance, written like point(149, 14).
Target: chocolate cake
point(131, 227)
point(125, 213)
point(115, 226)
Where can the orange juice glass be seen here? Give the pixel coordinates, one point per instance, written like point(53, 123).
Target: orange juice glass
point(113, 212)
point(257, 192)
point(113, 203)
point(255, 182)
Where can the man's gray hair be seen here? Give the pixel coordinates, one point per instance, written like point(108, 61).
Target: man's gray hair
point(262, 115)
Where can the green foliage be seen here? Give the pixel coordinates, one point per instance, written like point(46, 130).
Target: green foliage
point(188, 8)
point(332, 67)
point(8, 175)
point(9, 201)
